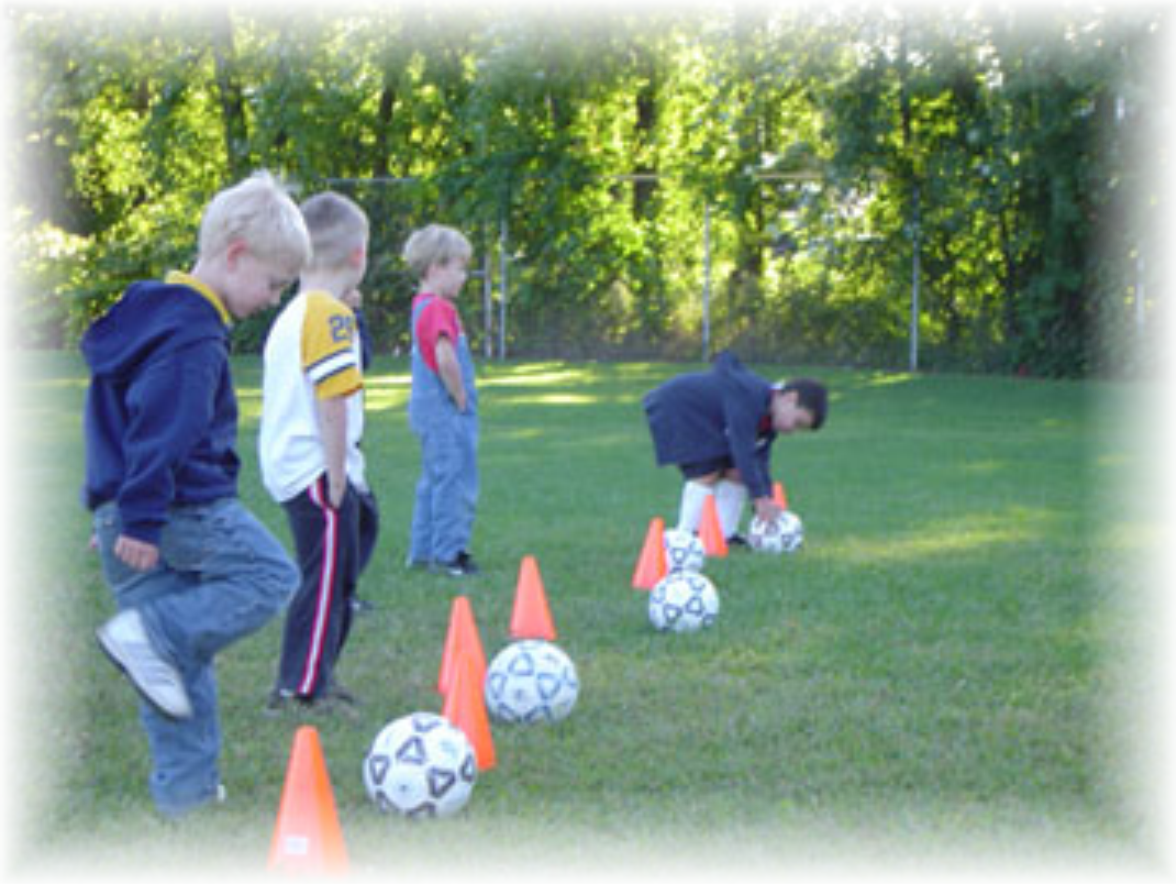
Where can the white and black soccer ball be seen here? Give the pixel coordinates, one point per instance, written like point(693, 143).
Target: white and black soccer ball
point(531, 680)
point(684, 551)
point(683, 601)
point(420, 765)
point(784, 534)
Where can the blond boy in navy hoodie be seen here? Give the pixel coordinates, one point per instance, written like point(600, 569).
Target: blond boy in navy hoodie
point(191, 569)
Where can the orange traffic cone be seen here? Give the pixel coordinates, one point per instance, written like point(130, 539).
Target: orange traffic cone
point(778, 495)
point(462, 637)
point(710, 530)
point(465, 708)
point(307, 837)
point(531, 617)
point(651, 564)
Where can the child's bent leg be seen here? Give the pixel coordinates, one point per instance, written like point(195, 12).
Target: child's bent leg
point(181, 604)
point(239, 576)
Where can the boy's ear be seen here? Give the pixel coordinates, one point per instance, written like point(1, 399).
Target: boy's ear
point(358, 255)
point(233, 253)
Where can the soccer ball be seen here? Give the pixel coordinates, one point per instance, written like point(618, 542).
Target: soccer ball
point(531, 680)
point(420, 766)
point(683, 602)
point(785, 534)
point(684, 551)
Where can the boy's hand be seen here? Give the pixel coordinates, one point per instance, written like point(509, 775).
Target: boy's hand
point(767, 509)
point(136, 554)
point(336, 490)
point(449, 370)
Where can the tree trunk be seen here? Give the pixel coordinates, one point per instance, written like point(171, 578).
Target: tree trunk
point(232, 99)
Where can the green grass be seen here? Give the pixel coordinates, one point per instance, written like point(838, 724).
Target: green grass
point(940, 670)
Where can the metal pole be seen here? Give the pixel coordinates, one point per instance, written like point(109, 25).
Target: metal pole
point(487, 303)
point(503, 263)
point(1140, 306)
point(706, 281)
point(914, 356)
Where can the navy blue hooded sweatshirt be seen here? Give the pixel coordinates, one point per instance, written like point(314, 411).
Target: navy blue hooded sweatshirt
point(161, 414)
point(724, 412)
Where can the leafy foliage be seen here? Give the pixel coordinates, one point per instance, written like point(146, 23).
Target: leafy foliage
point(1008, 158)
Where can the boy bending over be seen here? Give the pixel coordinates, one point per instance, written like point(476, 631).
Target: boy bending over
point(718, 426)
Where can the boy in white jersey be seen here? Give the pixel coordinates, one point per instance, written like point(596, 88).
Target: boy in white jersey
point(311, 462)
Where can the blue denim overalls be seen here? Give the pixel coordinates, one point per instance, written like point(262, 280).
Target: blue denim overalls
point(447, 492)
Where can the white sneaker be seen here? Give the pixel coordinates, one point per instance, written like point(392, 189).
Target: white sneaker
point(124, 639)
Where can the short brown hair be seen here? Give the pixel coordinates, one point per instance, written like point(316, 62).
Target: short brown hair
point(435, 244)
point(337, 228)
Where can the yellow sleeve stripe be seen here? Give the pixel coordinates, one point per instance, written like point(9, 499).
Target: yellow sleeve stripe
point(329, 365)
point(342, 384)
point(328, 357)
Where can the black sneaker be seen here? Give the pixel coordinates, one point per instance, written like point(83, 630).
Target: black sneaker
point(337, 694)
point(463, 565)
point(737, 540)
point(333, 699)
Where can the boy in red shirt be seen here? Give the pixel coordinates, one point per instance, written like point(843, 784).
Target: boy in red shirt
point(443, 407)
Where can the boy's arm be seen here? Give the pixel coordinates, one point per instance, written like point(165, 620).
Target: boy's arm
point(449, 370)
point(741, 437)
point(332, 413)
point(330, 364)
point(765, 506)
point(170, 407)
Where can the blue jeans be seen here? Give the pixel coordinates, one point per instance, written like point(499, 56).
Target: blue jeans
point(447, 492)
point(222, 575)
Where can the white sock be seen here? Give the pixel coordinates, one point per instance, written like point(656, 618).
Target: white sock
point(694, 494)
point(729, 500)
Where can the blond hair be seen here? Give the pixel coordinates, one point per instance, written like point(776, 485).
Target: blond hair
point(337, 228)
point(435, 244)
point(259, 213)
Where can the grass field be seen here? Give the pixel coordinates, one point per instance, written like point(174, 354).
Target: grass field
point(941, 671)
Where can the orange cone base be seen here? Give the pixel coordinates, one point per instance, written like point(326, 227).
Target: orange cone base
point(651, 564)
point(710, 531)
point(307, 836)
point(465, 708)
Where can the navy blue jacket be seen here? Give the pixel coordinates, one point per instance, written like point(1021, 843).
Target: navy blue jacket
point(721, 413)
point(161, 414)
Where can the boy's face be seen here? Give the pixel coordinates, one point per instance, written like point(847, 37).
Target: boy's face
point(252, 283)
point(447, 277)
point(788, 415)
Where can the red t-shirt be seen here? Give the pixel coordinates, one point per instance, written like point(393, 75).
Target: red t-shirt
point(438, 319)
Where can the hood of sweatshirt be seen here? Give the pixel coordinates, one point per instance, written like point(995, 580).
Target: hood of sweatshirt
point(151, 320)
